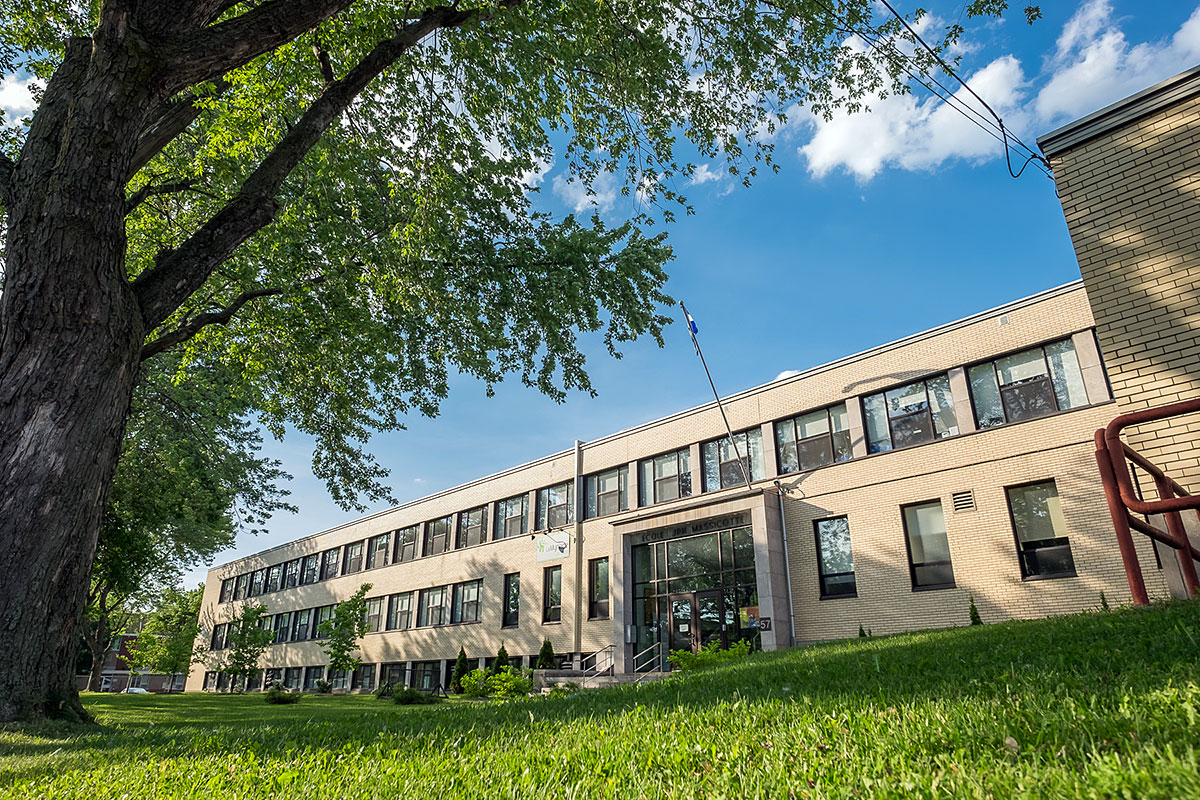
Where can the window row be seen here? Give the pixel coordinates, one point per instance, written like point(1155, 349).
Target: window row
point(1020, 386)
point(1039, 531)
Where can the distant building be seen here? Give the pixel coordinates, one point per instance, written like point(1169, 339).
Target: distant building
point(117, 677)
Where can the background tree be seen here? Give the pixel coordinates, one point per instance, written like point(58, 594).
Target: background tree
point(166, 644)
point(189, 479)
point(343, 630)
point(246, 639)
point(332, 197)
point(546, 658)
point(501, 661)
point(461, 668)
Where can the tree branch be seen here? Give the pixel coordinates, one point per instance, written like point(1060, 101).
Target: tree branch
point(173, 120)
point(155, 189)
point(178, 273)
point(191, 327)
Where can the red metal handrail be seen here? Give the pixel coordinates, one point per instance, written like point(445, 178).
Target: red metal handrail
point(1113, 457)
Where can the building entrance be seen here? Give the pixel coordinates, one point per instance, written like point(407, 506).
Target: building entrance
point(699, 619)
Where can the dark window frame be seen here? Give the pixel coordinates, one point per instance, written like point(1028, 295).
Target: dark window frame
point(594, 498)
point(226, 595)
point(1021, 551)
point(912, 568)
point(546, 522)
point(302, 625)
point(683, 478)
point(309, 575)
point(746, 466)
point(374, 614)
point(599, 608)
point(510, 613)
point(797, 442)
point(926, 414)
point(379, 547)
point(463, 611)
point(291, 574)
point(822, 575)
point(405, 541)
point(423, 607)
point(464, 537)
point(331, 558)
point(503, 522)
point(393, 612)
point(1049, 377)
point(355, 557)
point(551, 612)
point(274, 578)
point(446, 539)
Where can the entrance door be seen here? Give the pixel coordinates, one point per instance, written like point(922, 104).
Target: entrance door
point(697, 619)
point(683, 628)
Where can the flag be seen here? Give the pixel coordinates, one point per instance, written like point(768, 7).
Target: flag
point(693, 329)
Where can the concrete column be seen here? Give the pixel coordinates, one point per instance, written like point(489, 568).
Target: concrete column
point(489, 521)
point(1092, 367)
point(858, 428)
point(962, 399)
point(621, 586)
point(770, 568)
point(633, 485)
point(697, 469)
point(532, 509)
point(770, 462)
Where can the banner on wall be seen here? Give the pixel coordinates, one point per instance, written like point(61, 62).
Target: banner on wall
point(553, 546)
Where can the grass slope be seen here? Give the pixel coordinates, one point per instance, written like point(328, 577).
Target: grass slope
point(1097, 705)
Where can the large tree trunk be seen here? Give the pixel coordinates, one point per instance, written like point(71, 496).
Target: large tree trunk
point(70, 335)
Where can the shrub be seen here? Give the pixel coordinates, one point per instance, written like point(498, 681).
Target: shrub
point(546, 659)
point(1103, 602)
point(501, 661)
point(278, 696)
point(411, 697)
point(475, 683)
point(973, 612)
point(324, 686)
point(460, 670)
point(565, 689)
point(709, 655)
point(510, 682)
point(861, 633)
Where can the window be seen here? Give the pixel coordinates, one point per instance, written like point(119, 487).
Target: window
point(354, 558)
point(257, 581)
point(239, 587)
point(226, 591)
point(310, 569)
point(598, 588)
point(437, 535)
point(272, 676)
point(511, 616)
point(552, 595)
point(835, 559)
point(253, 680)
point(311, 676)
point(555, 506)
point(329, 563)
point(379, 549)
point(928, 550)
point(472, 527)
point(291, 574)
point(1027, 385)
point(512, 517)
point(210, 680)
point(406, 544)
point(431, 607)
point(218, 636)
point(465, 607)
point(400, 612)
point(425, 675)
point(1041, 531)
point(324, 614)
point(363, 677)
point(301, 625)
point(665, 477)
point(816, 439)
point(374, 614)
point(291, 678)
point(721, 467)
point(912, 414)
point(282, 627)
point(606, 493)
point(339, 679)
point(275, 578)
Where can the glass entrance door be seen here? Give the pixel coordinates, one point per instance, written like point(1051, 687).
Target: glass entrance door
point(683, 628)
point(697, 619)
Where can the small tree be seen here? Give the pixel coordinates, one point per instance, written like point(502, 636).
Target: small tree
point(245, 641)
point(546, 658)
point(166, 643)
point(460, 670)
point(501, 661)
point(861, 633)
point(343, 630)
point(973, 612)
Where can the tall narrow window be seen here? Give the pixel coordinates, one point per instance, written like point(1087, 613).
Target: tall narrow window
point(400, 612)
point(928, 548)
point(353, 561)
point(1041, 531)
point(1027, 385)
point(472, 527)
point(311, 676)
point(406, 544)
point(722, 467)
point(606, 493)
point(512, 517)
point(310, 569)
point(374, 614)
point(555, 506)
point(465, 607)
point(239, 587)
point(226, 591)
point(835, 560)
point(258, 579)
point(283, 624)
point(301, 625)
point(379, 548)
point(291, 578)
point(329, 563)
point(512, 600)
point(666, 477)
point(907, 415)
point(437, 535)
point(218, 636)
point(552, 594)
point(815, 439)
point(291, 678)
point(431, 607)
point(324, 614)
point(363, 677)
point(598, 588)
point(275, 578)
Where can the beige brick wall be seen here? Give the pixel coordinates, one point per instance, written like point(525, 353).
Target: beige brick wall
point(870, 489)
point(1131, 197)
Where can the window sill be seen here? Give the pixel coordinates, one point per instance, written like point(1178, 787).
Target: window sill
point(604, 618)
point(852, 596)
point(510, 627)
point(1050, 577)
point(935, 587)
point(552, 622)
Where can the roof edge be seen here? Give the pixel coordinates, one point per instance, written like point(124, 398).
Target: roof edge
point(1172, 90)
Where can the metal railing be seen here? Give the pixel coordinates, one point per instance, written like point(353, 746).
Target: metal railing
point(602, 662)
point(649, 660)
point(1113, 457)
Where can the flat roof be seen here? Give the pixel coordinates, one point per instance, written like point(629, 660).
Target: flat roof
point(1122, 112)
point(799, 376)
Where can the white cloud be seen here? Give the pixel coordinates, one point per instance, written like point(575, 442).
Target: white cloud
point(575, 194)
point(16, 98)
point(1093, 65)
point(705, 173)
point(787, 373)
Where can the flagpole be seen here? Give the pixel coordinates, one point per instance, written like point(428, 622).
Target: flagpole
point(742, 465)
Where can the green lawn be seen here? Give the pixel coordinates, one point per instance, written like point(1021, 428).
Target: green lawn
point(1098, 705)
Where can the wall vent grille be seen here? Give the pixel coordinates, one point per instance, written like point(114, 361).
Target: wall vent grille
point(964, 501)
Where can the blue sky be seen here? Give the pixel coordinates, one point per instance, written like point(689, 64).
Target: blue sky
point(878, 226)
